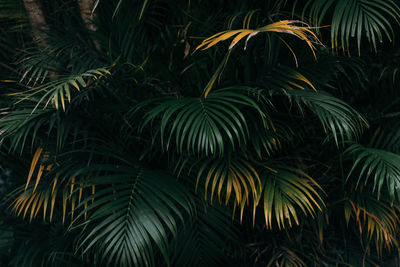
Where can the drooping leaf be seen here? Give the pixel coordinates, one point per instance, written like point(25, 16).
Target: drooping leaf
point(336, 116)
point(286, 193)
point(292, 27)
point(355, 18)
point(128, 220)
point(378, 167)
point(203, 126)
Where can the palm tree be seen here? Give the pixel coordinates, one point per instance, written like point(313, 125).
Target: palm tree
point(199, 133)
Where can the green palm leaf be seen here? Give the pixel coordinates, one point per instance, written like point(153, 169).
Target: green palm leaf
point(24, 126)
point(21, 124)
point(377, 166)
point(286, 191)
point(266, 142)
point(336, 116)
point(203, 125)
point(126, 219)
point(355, 18)
point(59, 92)
point(204, 238)
point(387, 136)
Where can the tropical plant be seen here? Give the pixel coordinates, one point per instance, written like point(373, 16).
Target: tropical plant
point(199, 133)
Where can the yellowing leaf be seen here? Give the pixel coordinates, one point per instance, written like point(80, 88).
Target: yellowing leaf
point(33, 165)
point(292, 27)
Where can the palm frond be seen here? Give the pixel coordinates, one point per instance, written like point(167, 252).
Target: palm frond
point(126, 219)
point(96, 118)
point(378, 167)
point(204, 238)
point(285, 192)
point(21, 124)
point(376, 220)
point(203, 126)
point(266, 142)
point(286, 78)
point(387, 135)
point(26, 125)
point(336, 116)
point(356, 18)
point(286, 257)
point(37, 245)
point(59, 91)
point(292, 27)
point(229, 175)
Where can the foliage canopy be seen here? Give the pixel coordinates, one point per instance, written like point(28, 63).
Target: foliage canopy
point(199, 133)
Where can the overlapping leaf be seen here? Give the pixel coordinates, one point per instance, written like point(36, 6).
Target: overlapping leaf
point(203, 126)
point(59, 91)
point(286, 193)
point(376, 219)
point(336, 116)
point(41, 193)
point(18, 125)
point(127, 219)
point(356, 18)
point(378, 167)
point(230, 175)
point(292, 27)
point(202, 242)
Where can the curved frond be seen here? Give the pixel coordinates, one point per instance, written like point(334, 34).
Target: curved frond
point(203, 240)
point(356, 18)
point(229, 175)
point(377, 220)
point(378, 167)
point(43, 191)
point(59, 91)
point(18, 125)
point(127, 219)
point(286, 78)
point(387, 134)
point(285, 192)
point(292, 27)
point(286, 257)
point(22, 127)
point(336, 116)
point(203, 125)
point(266, 142)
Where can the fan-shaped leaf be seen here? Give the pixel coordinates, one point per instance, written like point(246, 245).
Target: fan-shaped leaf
point(376, 166)
point(354, 18)
point(286, 191)
point(203, 125)
point(59, 91)
point(126, 219)
point(334, 114)
point(203, 240)
point(229, 175)
point(377, 219)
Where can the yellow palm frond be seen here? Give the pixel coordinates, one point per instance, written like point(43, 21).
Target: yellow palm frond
point(234, 177)
point(37, 197)
point(293, 27)
point(380, 220)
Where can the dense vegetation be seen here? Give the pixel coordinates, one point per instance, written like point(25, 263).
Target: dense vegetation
point(199, 133)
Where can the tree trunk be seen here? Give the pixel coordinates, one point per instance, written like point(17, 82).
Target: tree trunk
point(37, 20)
point(86, 7)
